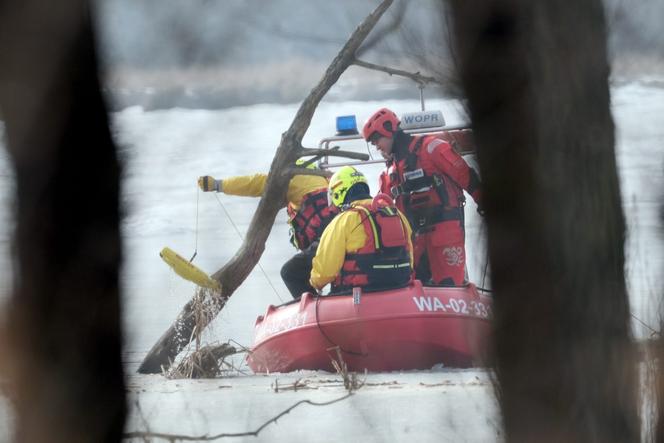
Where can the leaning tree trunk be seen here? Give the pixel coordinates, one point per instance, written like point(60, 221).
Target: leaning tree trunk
point(65, 372)
point(179, 334)
point(536, 76)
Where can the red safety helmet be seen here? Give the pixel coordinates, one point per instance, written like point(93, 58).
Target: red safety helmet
point(383, 122)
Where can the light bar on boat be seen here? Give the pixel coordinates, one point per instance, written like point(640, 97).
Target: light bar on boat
point(423, 119)
point(346, 125)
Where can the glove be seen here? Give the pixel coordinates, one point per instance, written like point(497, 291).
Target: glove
point(208, 183)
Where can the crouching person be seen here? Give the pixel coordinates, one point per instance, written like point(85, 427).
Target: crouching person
point(308, 215)
point(368, 245)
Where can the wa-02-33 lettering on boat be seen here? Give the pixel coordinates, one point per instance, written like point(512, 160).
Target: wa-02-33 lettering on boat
point(462, 307)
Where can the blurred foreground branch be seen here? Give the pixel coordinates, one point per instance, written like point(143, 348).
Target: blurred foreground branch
point(64, 330)
point(540, 107)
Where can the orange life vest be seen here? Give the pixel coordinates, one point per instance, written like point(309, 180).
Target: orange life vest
point(384, 260)
point(425, 196)
point(309, 221)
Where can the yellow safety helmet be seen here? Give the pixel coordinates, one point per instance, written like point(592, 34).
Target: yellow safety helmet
point(301, 161)
point(341, 182)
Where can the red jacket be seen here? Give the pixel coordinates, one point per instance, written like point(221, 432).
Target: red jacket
point(426, 178)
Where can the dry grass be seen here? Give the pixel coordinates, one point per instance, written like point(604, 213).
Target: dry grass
point(351, 381)
point(204, 361)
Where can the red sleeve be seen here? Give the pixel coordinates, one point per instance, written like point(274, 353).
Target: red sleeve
point(447, 161)
point(384, 183)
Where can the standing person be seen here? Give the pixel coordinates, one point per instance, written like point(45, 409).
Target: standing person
point(427, 178)
point(368, 245)
point(308, 215)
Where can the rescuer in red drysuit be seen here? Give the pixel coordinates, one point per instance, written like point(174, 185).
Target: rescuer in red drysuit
point(426, 177)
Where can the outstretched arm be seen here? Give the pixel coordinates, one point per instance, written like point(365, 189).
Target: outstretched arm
point(247, 185)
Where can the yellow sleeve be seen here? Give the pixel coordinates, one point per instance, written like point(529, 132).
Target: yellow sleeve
point(344, 233)
point(246, 185)
point(254, 185)
point(409, 236)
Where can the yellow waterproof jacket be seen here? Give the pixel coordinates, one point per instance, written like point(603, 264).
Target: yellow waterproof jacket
point(254, 185)
point(344, 234)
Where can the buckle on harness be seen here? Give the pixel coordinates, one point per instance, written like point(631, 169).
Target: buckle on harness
point(397, 190)
point(357, 295)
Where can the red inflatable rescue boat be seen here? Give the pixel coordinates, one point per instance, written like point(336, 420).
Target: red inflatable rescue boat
point(410, 328)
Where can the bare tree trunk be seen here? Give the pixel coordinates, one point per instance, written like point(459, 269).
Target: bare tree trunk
point(536, 76)
point(236, 271)
point(64, 316)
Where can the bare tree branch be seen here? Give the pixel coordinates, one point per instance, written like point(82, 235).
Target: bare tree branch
point(239, 267)
point(293, 171)
point(318, 153)
point(334, 153)
point(415, 76)
point(175, 437)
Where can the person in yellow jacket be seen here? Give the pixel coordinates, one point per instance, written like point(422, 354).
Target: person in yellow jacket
point(368, 245)
point(308, 211)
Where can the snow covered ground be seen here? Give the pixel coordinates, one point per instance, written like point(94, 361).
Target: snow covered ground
point(165, 151)
point(443, 406)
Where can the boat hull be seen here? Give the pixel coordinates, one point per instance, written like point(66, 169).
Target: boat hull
point(410, 328)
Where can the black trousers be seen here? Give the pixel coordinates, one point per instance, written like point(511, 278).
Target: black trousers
point(296, 272)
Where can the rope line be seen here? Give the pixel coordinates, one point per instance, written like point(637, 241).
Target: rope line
point(320, 328)
point(486, 260)
point(242, 238)
point(198, 193)
point(653, 332)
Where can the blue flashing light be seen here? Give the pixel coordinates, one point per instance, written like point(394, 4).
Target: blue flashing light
point(346, 125)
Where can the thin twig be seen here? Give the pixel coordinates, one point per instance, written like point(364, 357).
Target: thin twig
point(176, 437)
point(333, 153)
point(204, 362)
point(234, 368)
point(299, 384)
point(415, 76)
point(293, 171)
point(350, 380)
